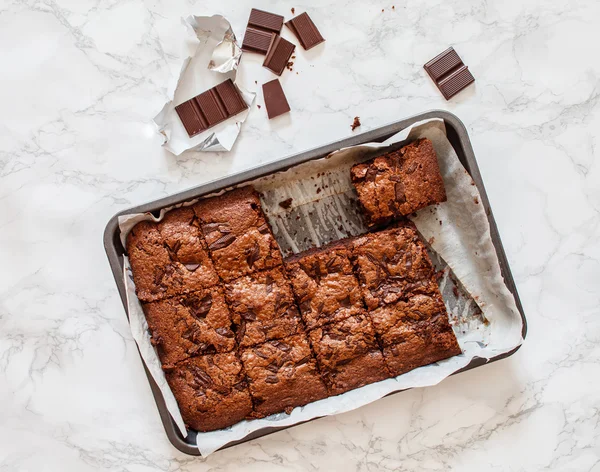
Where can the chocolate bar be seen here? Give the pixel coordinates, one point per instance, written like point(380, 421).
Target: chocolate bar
point(211, 107)
point(262, 25)
point(275, 100)
point(305, 30)
point(449, 73)
point(278, 55)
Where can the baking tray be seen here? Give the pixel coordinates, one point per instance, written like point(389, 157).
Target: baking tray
point(458, 137)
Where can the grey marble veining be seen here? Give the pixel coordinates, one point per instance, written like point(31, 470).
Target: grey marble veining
point(80, 83)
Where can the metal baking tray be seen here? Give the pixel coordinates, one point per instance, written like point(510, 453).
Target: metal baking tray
point(458, 137)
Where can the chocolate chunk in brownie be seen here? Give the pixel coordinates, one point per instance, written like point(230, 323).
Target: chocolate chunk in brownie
point(211, 391)
point(392, 265)
point(348, 354)
point(324, 284)
point(238, 236)
point(189, 325)
point(169, 258)
point(399, 183)
point(262, 307)
point(420, 342)
point(282, 375)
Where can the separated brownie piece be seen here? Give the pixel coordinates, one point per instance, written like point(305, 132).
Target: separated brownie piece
point(399, 183)
point(169, 258)
point(188, 325)
point(324, 284)
point(238, 236)
point(211, 391)
point(282, 375)
point(263, 307)
point(348, 354)
point(392, 265)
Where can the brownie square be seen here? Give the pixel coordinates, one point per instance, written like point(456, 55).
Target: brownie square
point(188, 325)
point(392, 265)
point(169, 258)
point(420, 343)
point(262, 306)
point(238, 236)
point(348, 354)
point(211, 391)
point(282, 375)
point(324, 284)
point(399, 183)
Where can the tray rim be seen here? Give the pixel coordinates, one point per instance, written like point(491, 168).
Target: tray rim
point(111, 239)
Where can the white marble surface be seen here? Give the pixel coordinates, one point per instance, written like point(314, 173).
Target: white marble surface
point(79, 85)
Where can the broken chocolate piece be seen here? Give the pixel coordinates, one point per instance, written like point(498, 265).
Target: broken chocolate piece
point(211, 108)
point(278, 55)
point(275, 100)
point(305, 30)
point(262, 25)
point(449, 73)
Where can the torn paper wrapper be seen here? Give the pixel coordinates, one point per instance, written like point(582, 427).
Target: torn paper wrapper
point(323, 209)
point(215, 60)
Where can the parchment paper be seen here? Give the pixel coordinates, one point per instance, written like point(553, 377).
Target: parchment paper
point(322, 210)
point(216, 57)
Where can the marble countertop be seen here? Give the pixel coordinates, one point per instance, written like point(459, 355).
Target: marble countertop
point(80, 83)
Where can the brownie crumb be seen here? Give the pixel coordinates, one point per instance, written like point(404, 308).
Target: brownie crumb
point(286, 204)
point(476, 200)
point(290, 65)
point(455, 291)
point(293, 10)
point(356, 123)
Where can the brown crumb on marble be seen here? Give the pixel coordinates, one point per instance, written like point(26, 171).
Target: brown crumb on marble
point(476, 200)
point(440, 222)
point(356, 123)
point(286, 204)
point(393, 7)
point(255, 82)
point(258, 106)
point(293, 10)
point(431, 241)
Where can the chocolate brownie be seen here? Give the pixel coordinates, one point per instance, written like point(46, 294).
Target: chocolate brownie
point(392, 265)
point(324, 284)
point(348, 354)
point(188, 325)
point(282, 375)
point(211, 391)
point(169, 258)
point(262, 306)
point(238, 236)
point(419, 342)
point(399, 183)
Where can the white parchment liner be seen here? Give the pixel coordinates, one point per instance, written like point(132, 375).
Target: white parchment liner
point(320, 189)
point(216, 57)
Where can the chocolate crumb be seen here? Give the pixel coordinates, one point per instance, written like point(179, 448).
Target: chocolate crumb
point(293, 10)
point(440, 222)
point(258, 106)
point(356, 123)
point(476, 200)
point(455, 291)
point(255, 82)
point(382, 9)
point(431, 240)
point(393, 7)
point(286, 204)
point(319, 190)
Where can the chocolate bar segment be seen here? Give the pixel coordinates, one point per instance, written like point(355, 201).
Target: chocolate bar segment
point(449, 73)
point(305, 30)
point(262, 25)
point(211, 107)
point(278, 55)
point(275, 100)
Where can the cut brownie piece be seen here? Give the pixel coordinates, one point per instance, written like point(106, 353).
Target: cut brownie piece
point(169, 258)
point(419, 342)
point(211, 391)
point(392, 265)
point(399, 183)
point(324, 284)
point(238, 236)
point(263, 307)
point(348, 354)
point(188, 325)
point(282, 375)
